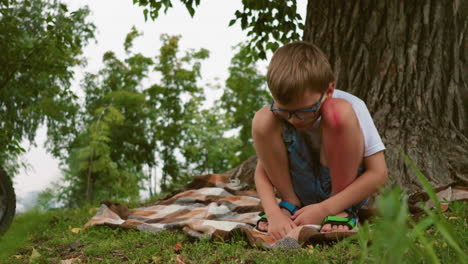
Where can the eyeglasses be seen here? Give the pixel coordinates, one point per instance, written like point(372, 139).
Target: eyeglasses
point(303, 114)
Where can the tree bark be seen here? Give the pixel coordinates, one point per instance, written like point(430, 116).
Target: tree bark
point(244, 173)
point(407, 61)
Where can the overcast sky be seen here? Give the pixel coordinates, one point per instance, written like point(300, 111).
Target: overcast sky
point(114, 18)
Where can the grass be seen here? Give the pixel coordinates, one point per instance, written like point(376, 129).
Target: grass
point(54, 240)
point(393, 237)
point(50, 235)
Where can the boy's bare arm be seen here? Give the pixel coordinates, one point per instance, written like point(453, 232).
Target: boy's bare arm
point(279, 225)
point(375, 175)
point(271, 151)
point(265, 190)
point(366, 184)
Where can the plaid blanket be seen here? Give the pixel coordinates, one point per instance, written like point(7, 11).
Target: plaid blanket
point(210, 206)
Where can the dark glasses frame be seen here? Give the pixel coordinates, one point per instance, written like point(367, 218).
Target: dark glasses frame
point(291, 113)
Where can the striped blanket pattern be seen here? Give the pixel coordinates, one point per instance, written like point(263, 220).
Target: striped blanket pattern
point(210, 206)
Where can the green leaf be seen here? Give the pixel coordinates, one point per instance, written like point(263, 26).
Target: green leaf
point(447, 232)
point(424, 182)
point(64, 7)
point(191, 10)
point(243, 22)
point(419, 235)
point(37, 57)
point(437, 217)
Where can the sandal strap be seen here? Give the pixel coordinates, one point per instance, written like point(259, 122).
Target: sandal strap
point(288, 206)
point(338, 220)
point(262, 215)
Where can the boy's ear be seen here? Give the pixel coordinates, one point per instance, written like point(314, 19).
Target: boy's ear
point(330, 89)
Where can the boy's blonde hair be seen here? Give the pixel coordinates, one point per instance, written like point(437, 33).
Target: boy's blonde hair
point(295, 68)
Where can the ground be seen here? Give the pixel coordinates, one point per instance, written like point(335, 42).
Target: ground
point(59, 237)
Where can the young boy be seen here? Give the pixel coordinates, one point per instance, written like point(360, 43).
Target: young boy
point(316, 145)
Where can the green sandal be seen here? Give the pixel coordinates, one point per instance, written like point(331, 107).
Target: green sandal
point(350, 221)
point(283, 204)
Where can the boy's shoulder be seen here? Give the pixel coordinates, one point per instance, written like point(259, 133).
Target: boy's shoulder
point(357, 104)
point(354, 100)
point(264, 122)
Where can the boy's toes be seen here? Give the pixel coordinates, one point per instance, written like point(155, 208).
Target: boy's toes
point(326, 228)
point(263, 226)
point(341, 228)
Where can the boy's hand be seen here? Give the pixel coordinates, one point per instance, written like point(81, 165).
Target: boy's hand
point(310, 214)
point(280, 224)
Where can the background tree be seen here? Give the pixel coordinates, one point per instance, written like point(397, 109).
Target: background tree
point(207, 148)
point(244, 94)
point(93, 173)
point(40, 42)
point(128, 129)
point(111, 146)
point(175, 99)
point(407, 60)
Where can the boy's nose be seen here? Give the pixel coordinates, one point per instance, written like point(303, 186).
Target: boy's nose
point(293, 120)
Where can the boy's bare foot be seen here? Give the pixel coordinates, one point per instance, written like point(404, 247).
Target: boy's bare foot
point(330, 227)
point(263, 225)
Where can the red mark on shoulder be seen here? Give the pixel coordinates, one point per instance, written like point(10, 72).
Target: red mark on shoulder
point(335, 117)
point(330, 113)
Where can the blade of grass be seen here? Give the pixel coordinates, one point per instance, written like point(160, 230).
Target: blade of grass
point(422, 225)
point(437, 216)
point(418, 234)
point(447, 232)
point(17, 236)
point(363, 239)
point(424, 182)
point(428, 249)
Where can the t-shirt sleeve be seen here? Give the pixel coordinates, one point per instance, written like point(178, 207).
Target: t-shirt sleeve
point(372, 141)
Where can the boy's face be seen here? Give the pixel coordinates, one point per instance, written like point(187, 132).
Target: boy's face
point(309, 102)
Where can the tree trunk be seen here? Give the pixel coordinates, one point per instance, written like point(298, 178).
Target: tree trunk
point(407, 61)
point(244, 173)
point(89, 182)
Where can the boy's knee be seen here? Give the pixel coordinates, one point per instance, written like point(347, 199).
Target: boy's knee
point(338, 114)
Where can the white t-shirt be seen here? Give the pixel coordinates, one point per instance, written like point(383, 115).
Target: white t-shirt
point(372, 141)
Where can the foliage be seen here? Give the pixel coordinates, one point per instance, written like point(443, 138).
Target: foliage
point(436, 216)
point(269, 23)
point(212, 145)
point(116, 94)
point(18, 235)
point(48, 199)
point(245, 93)
point(207, 148)
point(41, 41)
point(123, 128)
point(59, 235)
point(176, 99)
point(128, 128)
point(157, 5)
point(111, 145)
point(9, 159)
point(393, 237)
point(414, 242)
point(92, 170)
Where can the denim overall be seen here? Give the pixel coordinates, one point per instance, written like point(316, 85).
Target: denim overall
point(311, 180)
